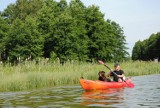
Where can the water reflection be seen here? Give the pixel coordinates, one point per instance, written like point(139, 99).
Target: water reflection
point(102, 98)
point(56, 97)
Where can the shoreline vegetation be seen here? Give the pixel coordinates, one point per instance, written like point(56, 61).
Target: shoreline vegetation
point(30, 75)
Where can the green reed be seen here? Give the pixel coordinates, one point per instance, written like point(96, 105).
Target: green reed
point(31, 75)
point(141, 68)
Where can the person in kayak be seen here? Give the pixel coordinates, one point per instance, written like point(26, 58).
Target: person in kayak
point(102, 77)
point(118, 74)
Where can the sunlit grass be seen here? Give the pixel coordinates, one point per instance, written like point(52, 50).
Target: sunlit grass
point(31, 75)
point(141, 68)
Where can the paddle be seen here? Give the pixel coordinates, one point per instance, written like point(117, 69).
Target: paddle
point(128, 85)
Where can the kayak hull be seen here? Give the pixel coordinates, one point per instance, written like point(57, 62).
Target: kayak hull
point(102, 85)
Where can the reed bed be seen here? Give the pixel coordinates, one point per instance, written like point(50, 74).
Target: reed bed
point(30, 75)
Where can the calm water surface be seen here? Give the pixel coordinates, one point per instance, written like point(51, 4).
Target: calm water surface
point(146, 94)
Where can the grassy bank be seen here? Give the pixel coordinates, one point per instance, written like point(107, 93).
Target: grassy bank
point(30, 75)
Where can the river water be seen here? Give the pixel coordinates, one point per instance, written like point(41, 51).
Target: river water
point(146, 94)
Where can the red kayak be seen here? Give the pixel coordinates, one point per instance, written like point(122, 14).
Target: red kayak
point(102, 85)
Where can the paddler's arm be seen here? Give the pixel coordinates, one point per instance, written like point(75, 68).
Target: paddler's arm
point(121, 76)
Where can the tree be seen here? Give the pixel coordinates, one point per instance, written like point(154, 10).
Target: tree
point(137, 51)
point(117, 38)
point(46, 20)
point(24, 40)
point(3, 35)
point(22, 8)
point(80, 43)
point(67, 38)
point(95, 27)
point(147, 49)
point(157, 45)
point(107, 40)
point(57, 29)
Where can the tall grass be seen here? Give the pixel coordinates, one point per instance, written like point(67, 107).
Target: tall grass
point(30, 75)
point(141, 68)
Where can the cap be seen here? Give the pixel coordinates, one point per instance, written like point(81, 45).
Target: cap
point(115, 65)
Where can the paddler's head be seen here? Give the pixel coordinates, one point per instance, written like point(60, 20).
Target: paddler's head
point(116, 67)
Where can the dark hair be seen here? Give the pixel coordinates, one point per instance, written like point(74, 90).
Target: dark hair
point(115, 65)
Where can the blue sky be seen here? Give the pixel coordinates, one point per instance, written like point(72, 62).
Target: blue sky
point(139, 18)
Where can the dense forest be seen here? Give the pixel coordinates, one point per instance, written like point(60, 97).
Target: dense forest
point(32, 29)
point(148, 49)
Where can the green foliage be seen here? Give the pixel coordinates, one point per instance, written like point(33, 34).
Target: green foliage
point(22, 8)
point(148, 49)
point(95, 31)
point(24, 40)
point(51, 29)
point(106, 39)
point(53, 56)
point(3, 35)
point(118, 41)
point(136, 53)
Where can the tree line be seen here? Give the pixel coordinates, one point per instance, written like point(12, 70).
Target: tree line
point(148, 49)
point(32, 29)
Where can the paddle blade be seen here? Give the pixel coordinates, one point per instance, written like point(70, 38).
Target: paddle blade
point(130, 85)
point(101, 62)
